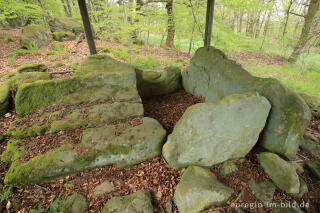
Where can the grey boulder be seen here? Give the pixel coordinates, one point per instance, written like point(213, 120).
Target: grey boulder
point(198, 189)
point(138, 202)
point(212, 75)
point(282, 173)
point(211, 133)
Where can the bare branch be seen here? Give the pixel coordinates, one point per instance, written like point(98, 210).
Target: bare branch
point(296, 14)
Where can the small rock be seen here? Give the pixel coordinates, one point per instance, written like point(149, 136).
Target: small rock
point(314, 167)
point(9, 205)
point(228, 167)
point(281, 172)
point(138, 202)
point(76, 203)
point(263, 191)
point(198, 189)
point(311, 147)
point(303, 189)
point(169, 204)
point(104, 188)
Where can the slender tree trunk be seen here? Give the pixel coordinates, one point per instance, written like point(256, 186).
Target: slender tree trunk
point(170, 23)
point(304, 36)
point(240, 22)
point(65, 8)
point(87, 26)
point(69, 7)
point(43, 8)
point(287, 18)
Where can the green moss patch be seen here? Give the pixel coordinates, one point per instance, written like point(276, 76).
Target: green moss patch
point(13, 152)
point(63, 36)
point(4, 97)
point(31, 68)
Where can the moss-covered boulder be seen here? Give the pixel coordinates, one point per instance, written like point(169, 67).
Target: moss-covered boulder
point(75, 203)
point(119, 144)
point(13, 152)
point(150, 83)
point(31, 68)
point(99, 78)
point(281, 172)
point(212, 75)
point(4, 97)
point(198, 189)
point(12, 81)
point(63, 36)
point(70, 24)
point(33, 35)
point(138, 202)
point(211, 133)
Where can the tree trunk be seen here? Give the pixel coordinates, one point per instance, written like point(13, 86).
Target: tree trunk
point(304, 36)
point(287, 18)
point(87, 26)
point(170, 23)
point(43, 8)
point(69, 7)
point(240, 22)
point(65, 8)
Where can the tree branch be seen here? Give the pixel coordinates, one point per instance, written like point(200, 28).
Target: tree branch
point(296, 14)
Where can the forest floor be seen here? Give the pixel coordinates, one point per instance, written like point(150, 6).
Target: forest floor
point(154, 175)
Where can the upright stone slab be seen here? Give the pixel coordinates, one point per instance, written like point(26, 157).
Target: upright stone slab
point(212, 75)
point(198, 189)
point(281, 172)
point(211, 133)
point(151, 83)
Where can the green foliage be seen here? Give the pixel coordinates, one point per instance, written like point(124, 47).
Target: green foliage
point(5, 194)
point(54, 207)
point(32, 47)
point(291, 75)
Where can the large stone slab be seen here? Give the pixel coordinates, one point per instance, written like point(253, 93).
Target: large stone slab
point(81, 117)
point(99, 78)
point(198, 189)
point(138, 202)
point(211, 133)
point(33, 35)
point(212, 75)
point(151, 83)
point(282, 173)
point(119, 144)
